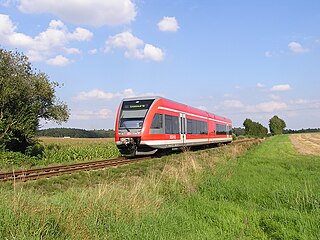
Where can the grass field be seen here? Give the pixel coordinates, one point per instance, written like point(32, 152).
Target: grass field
point(267, 192)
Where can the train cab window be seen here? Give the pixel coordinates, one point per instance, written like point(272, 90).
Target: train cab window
point(157, 124)
point(133, 113)
point(171, 124)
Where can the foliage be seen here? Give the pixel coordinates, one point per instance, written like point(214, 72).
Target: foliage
point(239, 131)
point(75, 133)
point(276, 125)
point(26, 97)
point(308, 130)
point(254, 129)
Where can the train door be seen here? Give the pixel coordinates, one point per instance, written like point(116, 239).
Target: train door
point(227, 130)
point(183, 128)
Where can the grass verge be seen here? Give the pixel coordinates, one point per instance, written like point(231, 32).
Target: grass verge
point(269, 192)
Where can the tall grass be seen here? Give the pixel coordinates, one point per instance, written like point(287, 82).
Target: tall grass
point(268, 192)
point(59, 150)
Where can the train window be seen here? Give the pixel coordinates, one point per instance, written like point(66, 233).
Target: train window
point(221, 129)
point(204, 128)
point(197, 127)
point(157, 124)
point(189, 126)
point(157, 121)
point(175, 127)
point(171, 124)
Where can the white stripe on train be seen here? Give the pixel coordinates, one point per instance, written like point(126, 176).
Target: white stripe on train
point(191, 114)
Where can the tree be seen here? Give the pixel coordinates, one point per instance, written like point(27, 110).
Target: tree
point(276, 125)
point(248, 126)
point(238, 131)
point(26, 97)
point(254, 129)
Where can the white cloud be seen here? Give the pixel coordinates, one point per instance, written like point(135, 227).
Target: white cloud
point(58, 61)
point(274, 97)
point(153, 52)
point(6, 3)
point(81, 34)
point(97, 94)
point(300, 101)
point(260, 85)
point(232, 104)
point(47, 44)
point(267, 107)
point(268, 54)
point(227, 95)
point(280, 88)
point(87, 12)
point(91, 114)
point(94, 94)
point(72, 50)
point(313, 103)
point(168, 24)
point(297, 47)
point(203, 108)
point(123, 40)
point(134, 47)
point(93, 51)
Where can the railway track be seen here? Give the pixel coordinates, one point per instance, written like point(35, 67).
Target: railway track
point(37, 173)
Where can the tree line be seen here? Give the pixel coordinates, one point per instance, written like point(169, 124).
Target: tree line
point(75, 133)
point(256, 129)
point(308, 130)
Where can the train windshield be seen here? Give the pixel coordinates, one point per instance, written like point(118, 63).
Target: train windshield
point(133, 113)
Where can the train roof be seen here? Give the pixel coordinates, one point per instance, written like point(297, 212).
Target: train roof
point(159, 97)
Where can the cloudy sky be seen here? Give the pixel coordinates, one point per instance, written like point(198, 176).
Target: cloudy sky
point(239, 59)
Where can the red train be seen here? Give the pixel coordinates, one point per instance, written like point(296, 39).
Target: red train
point(147, 124)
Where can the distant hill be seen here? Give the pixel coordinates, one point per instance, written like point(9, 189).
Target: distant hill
point(75, 133)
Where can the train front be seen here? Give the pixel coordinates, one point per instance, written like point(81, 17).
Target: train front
point(129, 126)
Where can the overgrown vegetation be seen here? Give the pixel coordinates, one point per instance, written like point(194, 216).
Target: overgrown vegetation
point(26, 97)
point(270, 192)
point(58, 151)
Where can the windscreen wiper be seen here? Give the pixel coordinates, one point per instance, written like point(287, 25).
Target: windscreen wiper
point(125, 126)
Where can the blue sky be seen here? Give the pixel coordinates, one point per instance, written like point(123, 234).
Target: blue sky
point(238, 59)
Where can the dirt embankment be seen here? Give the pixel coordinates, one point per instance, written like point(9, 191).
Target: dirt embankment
point(307, 143)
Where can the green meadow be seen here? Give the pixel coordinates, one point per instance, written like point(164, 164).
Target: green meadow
point(248, 191)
